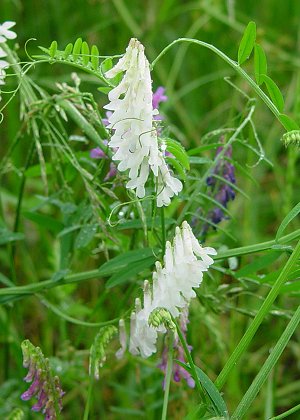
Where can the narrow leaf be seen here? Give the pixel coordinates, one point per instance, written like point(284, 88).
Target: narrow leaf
point(179, 152)
point(44, 221)
point(104, 89)
point(85, 236)
point(7, 236)
point(95, 57)
point(247, 43)
point(201, 149)
point(274, 92)
point(288, 218)
point(68, 50)
point(85, 50)
point(53, 49)
point(258, 264)
point(130, 271)
point(123, 260)
point(260, 63)
point(197, 160)
point(77, 48)
point(107, 65)
point(150, 221)
point(177, 166)
point(288, 123)
point(211, 389)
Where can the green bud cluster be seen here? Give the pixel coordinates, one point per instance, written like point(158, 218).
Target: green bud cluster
point(291, 138)
point(98, 349)
point(161, 316)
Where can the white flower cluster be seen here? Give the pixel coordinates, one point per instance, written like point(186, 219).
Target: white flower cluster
point(184, 263)
point(134, 135)
point(5, 34)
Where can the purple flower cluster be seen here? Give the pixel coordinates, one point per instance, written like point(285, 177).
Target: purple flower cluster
point(98, 153)
point(222, 191)
point(44, 387)
point(158, 97)
point(178, 371)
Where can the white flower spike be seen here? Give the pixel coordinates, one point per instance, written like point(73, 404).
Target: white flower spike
point(172, 287)
point(5, 34)
point(134, 134)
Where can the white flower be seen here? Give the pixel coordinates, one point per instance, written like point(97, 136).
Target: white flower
point(2, 53)
point(172, 287)
point(5, 33)
point(134, 135)
point(123, 339)
point(142, 336)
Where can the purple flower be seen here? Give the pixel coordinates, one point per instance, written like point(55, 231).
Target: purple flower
point(157, 98)
point(44, 386)
point(112, 172)
point(105, 120)
point(97, 153)
point(222, 191)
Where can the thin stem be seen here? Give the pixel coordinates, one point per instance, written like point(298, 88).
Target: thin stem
point(217, 159)
point(21, 193)
point(244, 405)
point(286, 413)
point(249, 249)
point(168, 376)
point(232, 63)
point(90, 390)
point(163, 229)
point(190, 360)
point(263, 311)
point(30, 289)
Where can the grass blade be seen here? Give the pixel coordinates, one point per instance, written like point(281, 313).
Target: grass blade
point(271, 361)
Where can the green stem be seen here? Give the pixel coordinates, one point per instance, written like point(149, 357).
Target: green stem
point(232, 63)
point(220, 156)
point(163, 230)
point(90, 390)
point(244, 405)
point(86, 127)
point(88, 275)
point(250, 249)
point(263, 311)
point(287, 413)
point(168, 377)
point(190, 360)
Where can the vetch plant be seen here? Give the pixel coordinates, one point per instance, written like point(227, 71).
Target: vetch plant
point(172, 287)
point(134, 134)
point(86, 272)
point(44, 386)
